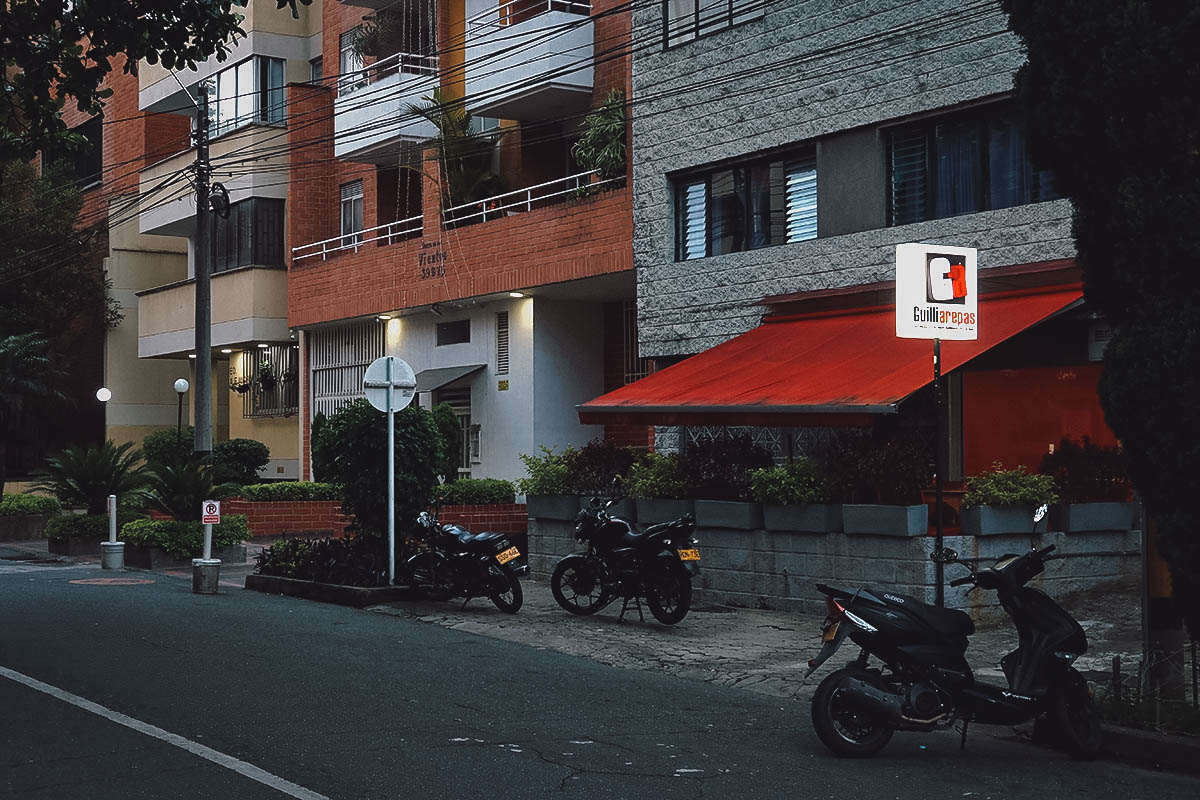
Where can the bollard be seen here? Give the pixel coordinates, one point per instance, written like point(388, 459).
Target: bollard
point(206, 574)
point(112, 552)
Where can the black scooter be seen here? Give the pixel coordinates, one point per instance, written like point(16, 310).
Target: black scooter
point(925, 682)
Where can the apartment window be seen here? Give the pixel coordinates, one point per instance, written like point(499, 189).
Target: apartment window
point(685, 20)
point(249, 92)
point(316, 70)
point(251, 235)
point(352, 212)
point(961, 165)
point(747, 206)
point(350, 66)
point(457, 332)
point(501, 342)
point(85, 163)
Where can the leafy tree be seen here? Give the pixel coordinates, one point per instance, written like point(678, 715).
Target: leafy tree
point(1111, 95)
point(27, 376)
point(450, 429)
point(465, 155)
point(88, 475)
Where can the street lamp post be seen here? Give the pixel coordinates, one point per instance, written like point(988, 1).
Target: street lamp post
point(181, 387)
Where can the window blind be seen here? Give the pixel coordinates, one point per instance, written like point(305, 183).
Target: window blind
point(801, 187)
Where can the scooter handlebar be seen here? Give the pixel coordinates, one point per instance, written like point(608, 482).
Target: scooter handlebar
point(1045, 551)
point(963, 581)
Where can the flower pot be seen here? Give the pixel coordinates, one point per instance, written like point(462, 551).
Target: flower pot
point(1070, 517)
point(728, 514)
point(885, 520)
point(654, 510)
point(808, 518)
point(552, 506)
point(990, 520)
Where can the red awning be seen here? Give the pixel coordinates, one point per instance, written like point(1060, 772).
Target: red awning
point(838, 368)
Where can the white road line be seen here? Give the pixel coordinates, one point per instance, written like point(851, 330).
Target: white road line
point(229, 762)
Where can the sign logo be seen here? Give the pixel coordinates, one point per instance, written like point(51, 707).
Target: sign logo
point(947, 279)
point(936, 294)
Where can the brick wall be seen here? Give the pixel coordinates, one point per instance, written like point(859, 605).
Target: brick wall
point(499, 518)
point(324, 517)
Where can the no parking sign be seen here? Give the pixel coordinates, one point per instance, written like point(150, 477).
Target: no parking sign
point(210, 512)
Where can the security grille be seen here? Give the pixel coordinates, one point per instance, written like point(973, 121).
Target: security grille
point(502, 343)
point(268, 379)
point(635, 368)
point(339, 358)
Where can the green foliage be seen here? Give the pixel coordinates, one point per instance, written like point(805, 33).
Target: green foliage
point(27, 377)
point(351, 452)
point(477, 492)
point(601, 146)
point(178, 488)
point(719, 469)
point(346, 561)
point(89, 526)
point(85, 477)
point(1009, 487)
point(464, 155)
point(889, 470)
point(239, 460)
point(168, 445)
point(657, 476)
point(290, 490)
point(798, 483)
point(1086, 472)
point(13, 505)
point(185, 538)
point(592, 468)
point(549, 473)
point(450, 430)
point(317, 433)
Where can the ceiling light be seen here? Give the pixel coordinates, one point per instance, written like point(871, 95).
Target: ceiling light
point(191, 355)
point(263, 345)
point(384, 317)
point(226, 350)
point(516, 294)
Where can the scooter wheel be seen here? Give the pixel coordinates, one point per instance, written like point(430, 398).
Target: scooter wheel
point(1075, 719)
point(847, 731)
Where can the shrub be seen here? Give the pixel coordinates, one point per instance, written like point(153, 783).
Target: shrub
point(719, 469)
point(348, 561)
point(798, 483)
point(185, 538)
point(1009, 487)
point(12, 505)
point(90, 526)
point(451, 433)
point(890, 471)
point(178, 488)
point(657, 476)
point(549, 473)
point(477, 492)
point(1086, 472)
point(592, 468)
point(239, 460)
point(160, 447)
point(87, 476)
point(290, 490)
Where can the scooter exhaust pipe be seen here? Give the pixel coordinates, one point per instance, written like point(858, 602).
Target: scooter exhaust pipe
point(871, 699)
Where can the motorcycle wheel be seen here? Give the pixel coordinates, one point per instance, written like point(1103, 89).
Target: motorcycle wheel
point(576, 586)
point(669, 594)
point(429, 578)
point(1075, 719)
point(847, 731)
point(505, 592)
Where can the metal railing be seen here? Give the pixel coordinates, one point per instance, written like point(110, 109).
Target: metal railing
point(517, 11)
point(521, 200)
point(408, 63)
point(393, 231)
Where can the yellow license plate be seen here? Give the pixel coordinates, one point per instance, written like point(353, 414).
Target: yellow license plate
point(689, 555)
point(508, 555)
point(829, 632)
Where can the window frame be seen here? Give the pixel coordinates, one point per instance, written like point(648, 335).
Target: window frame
point(350, 80)
point(264, 110)
point(448, 326)
point(748, 11)
point(353, 236)
point(250, 214)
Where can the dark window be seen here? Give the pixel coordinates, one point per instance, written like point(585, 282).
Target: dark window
point(83, 160)
point(458, 332)
point(760, 203)
point(316, 70)
point(252, 235)
point(685, 20)
point(961, 165)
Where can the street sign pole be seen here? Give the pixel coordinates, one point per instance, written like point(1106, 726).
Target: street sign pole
point(383, 377)
point(940, 466)
point(206, 571)
point(391, 487)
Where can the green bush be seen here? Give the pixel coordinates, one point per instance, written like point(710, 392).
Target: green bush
point(657, 476)
point(178, 488)
point(90, 526)
point(719, 469)
point(86, 476)
point(347, 561)
point(290, 490)
point(477, 492)
point(592, 468)
point(549, 473)
point(889, 470)
point(798, 483)
point(12, 505)
point(450, 430)
point(239, 460)
point(160, 447)
point(1009, 487)
point(185, 539)
point(1085, 472)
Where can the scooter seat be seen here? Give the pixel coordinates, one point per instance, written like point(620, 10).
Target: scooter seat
point(947, 620)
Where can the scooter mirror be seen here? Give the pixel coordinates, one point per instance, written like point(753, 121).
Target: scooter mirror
point(946, 555)
point(1041, 512)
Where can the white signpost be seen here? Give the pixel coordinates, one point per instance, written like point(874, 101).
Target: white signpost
point(937, 298)
point(390, 386)
point(206, 570)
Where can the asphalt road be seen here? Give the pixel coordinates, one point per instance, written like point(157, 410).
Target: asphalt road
point(323, 701)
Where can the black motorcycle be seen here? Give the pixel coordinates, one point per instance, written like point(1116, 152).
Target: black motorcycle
point(456, 563)
point(657, 564)
point(925, 682)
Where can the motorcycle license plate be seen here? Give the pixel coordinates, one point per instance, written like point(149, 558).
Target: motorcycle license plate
point(689, 555)
point(508, 555)
point(829, 632)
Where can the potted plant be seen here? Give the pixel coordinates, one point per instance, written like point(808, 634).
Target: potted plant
point(547, 489)
point(718, 475)
point(1095, 488)
point(601, 145)
point(658, 487)
point(266, 377)
point(1002, 501)
point(796, 497)
point(882, 480)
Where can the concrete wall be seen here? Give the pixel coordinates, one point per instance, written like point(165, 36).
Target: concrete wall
point(568, 356)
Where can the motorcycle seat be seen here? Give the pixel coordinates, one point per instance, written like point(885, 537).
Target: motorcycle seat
point(947, 620)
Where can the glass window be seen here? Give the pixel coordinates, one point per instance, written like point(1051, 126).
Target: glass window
point(315, 70)
point(350, 66)
point(352, 212)
point(457, 332)
point(252, 235)
point(685, 20)
point(692, 221)
point(249, 92)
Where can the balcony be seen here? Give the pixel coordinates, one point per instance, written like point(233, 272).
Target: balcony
point(389, 233)
point(249, 305)
point(530, 59)
point(371, 117)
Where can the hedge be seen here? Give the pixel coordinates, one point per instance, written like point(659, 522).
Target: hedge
point(185, 539)
point(13, 505)
point(478, 492)
point(290, 490)
point(89, 526)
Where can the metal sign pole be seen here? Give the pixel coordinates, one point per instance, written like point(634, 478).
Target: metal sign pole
point(940, 461)
point(391, 487)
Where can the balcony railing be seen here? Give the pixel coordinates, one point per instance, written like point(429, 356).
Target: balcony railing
point(409, 63)
point(515, 11)
point(521, 200)
point(391, 232)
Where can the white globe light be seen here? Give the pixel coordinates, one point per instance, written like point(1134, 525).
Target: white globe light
point(103, 394)
point(181, 385)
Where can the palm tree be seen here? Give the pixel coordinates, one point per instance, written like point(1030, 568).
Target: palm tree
point(87, 476)
point(27, 375)
point(178, 487)
point(465, 155)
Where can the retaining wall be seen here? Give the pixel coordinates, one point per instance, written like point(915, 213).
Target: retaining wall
point(325, 518)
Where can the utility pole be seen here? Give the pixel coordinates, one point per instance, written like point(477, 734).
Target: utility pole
point(202, 396)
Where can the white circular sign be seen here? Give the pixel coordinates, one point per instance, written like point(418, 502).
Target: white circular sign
point(403, 382)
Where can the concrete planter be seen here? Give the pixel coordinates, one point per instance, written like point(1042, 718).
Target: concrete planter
point(138, 556)
point(73, 546)
point(992, 520)
point(727, 514)
point(1092, 517)
point(809, 518)
point(885, 520)
point(355, 596)
point(23, 527)
point(655, 510)
point(552, 506)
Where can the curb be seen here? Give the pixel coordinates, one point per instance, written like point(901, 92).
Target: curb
point(1150, 747)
